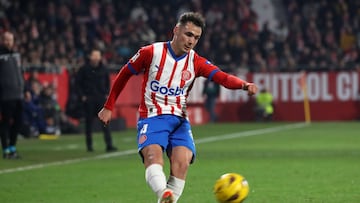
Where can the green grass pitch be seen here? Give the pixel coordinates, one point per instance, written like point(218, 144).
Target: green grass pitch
point(283, 163)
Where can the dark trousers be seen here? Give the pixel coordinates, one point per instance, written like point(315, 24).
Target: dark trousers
point(10, 122)
point(210, 104)
point(91, 109)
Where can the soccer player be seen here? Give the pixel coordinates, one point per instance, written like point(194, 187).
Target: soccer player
point(169, 70)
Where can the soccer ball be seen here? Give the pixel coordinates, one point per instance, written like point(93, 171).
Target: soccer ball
point(231, 188)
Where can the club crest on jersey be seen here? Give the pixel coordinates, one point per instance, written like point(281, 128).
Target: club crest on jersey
point(186, 75)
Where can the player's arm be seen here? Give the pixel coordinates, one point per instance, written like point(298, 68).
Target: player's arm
point(119, 84)
point(233, 82)
point(212, 72)
point(133, 67)
point(120, 81)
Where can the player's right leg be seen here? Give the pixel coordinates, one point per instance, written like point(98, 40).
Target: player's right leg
point(181, 151)
point(167, 196)
point(153, 135)
point(154, 174)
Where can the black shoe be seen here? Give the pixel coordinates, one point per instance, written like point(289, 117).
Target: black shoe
point(90, 149)
point(6, 155)
point(111, 149)
point(14, 155)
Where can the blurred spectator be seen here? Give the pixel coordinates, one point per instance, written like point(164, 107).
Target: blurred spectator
point(93, 84)
point(51, 110)
point(11, 95)
point(264, 106)
point(211, 92)
point(59, 33)
point(41, 109)
point(73, 105)
point(319, 35)
point(33, 118)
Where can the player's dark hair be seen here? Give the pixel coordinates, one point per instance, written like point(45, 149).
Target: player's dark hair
point(193, 17)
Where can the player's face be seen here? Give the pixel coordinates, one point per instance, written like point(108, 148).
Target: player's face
point(186, 37)
point(95, 57)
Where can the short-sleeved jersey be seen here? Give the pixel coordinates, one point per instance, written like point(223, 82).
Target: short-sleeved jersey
point(167, 78)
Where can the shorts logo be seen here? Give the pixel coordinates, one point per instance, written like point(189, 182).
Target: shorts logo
point(185, 75)
point(142, 139)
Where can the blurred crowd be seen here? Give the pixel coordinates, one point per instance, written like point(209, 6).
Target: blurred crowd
point(324, 34)
point(315, 35)
point(319, 35)
point(41, 111)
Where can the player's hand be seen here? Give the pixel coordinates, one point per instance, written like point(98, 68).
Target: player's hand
point(104, 115)
point(251, 88)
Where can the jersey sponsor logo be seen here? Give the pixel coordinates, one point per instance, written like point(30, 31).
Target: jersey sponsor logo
point(155, 86)
point(186, 75)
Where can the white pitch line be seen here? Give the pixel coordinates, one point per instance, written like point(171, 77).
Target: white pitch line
point(128, 152)
point(251, 133)
point(70, 161)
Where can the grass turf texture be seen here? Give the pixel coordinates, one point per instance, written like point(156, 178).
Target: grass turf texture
point(319, 162)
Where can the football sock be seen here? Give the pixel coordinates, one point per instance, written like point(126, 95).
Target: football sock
point(155, 178)
point(176, 185)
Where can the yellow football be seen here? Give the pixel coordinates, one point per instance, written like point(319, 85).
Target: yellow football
point(231, 188)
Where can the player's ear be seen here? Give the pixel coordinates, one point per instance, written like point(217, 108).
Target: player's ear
point(176, 30)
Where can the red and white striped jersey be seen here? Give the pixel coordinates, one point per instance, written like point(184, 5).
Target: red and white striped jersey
point(167, 79)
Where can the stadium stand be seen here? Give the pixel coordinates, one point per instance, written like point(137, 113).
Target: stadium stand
point(309, 35)
point(312, 34)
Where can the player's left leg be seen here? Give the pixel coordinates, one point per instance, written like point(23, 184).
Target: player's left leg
point(181, 152)
point(180, 159)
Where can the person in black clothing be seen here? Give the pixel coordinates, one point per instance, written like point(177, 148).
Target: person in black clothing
point(211, 91)
point(93, 83)
point(11, 96)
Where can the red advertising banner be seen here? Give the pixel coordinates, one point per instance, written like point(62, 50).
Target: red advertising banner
point(59, 81)
point(332, 96)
